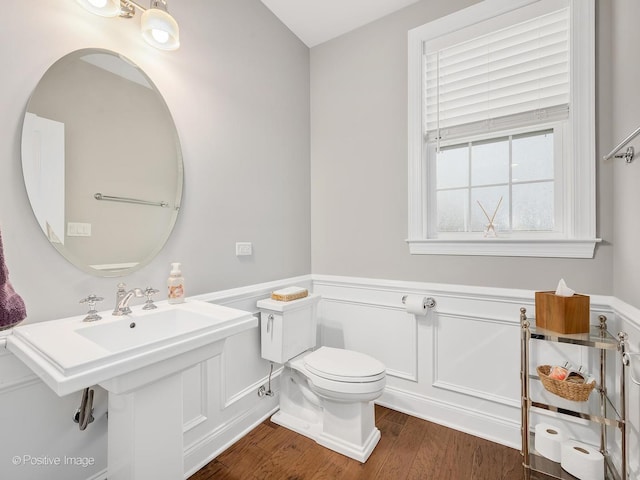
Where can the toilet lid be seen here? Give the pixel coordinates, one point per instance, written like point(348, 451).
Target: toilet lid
point(344, 365)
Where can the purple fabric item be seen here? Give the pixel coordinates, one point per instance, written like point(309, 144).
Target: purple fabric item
point(12, 308)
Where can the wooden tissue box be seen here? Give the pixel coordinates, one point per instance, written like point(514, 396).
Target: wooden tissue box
point(562, 314)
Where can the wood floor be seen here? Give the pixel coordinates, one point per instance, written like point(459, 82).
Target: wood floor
point(409, 449)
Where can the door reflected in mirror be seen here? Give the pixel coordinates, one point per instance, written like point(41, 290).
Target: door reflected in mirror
point(102, 162)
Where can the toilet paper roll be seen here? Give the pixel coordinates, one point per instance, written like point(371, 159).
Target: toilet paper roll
point(548, 441)
point(582, 461)
point(416, 305)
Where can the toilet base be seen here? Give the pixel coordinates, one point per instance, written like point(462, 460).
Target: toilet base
point(341, 421)
point(314, 431)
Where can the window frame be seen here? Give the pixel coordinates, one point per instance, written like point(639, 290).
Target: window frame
point(577, 238)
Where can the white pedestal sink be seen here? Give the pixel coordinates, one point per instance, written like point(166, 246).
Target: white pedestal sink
point(138, 359)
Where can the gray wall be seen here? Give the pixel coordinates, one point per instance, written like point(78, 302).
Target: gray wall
point(238, 90)
point(359, 169)
point(625, 75)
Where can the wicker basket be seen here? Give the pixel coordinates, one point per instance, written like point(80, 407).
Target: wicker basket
point(578, 392)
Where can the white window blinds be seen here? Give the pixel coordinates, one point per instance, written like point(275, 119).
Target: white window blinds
point(512, 77)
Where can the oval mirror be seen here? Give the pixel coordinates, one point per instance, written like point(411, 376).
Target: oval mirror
point(101, 162)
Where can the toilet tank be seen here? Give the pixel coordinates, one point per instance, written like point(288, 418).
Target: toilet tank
point(287, 328)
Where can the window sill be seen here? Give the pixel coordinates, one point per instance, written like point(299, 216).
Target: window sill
point(504, 247)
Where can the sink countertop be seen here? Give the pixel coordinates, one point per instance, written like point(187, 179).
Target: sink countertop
point(69, 354)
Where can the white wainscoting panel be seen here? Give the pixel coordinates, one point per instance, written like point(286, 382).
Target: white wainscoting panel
point(466, 351)
point(470, 357)
point(458, 366)
point(38, 431)
point(385, 332)
point(14, 374)
point(628, 321)
point(230, 383)
point(195, 401)
point(242, 367)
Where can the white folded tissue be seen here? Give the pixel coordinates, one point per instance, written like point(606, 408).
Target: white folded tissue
point(563, 290)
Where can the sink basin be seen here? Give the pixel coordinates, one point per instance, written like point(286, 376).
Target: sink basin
point(143, 330)
point(70, 355)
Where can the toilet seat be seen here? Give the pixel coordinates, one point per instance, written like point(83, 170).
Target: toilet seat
point(347, 366)
point(337, 384)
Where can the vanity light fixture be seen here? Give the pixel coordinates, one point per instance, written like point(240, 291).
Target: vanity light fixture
point(158, 28)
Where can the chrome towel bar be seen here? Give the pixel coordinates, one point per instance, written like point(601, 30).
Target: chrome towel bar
point(628, 155)
point(99, 196)
point(626, 360)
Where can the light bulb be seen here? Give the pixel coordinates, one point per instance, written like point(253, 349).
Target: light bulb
point(104, 8)
point(160, 29)
point(160, 36)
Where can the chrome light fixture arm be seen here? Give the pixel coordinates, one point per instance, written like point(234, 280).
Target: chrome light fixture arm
point(128, 7)
point(158, 28)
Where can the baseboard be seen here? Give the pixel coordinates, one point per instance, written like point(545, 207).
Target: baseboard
point(217, 441)
point(251, 389)
point(473, 422)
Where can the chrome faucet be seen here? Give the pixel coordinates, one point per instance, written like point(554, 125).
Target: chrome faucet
point(123, 297)
point(120, 293)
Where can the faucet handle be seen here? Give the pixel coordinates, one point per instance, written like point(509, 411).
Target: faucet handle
point(149, 292)
point(92, 314)
point(120, 293)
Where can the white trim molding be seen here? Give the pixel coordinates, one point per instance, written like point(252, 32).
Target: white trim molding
point(469, 420)
point(505, 247)
point(257, 291)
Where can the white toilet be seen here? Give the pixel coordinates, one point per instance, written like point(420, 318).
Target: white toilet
point(326, 394)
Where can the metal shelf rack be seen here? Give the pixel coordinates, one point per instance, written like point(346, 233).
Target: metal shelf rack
point(600, 408)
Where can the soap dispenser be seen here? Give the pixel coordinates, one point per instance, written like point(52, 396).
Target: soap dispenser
point(175, 283)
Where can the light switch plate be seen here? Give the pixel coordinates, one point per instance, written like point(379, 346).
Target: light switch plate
point(244, 249)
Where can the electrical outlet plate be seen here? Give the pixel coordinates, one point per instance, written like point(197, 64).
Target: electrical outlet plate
point(75, 229)
point(244, 249)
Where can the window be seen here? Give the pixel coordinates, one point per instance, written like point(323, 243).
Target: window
point(501, 140)
point(507, 183)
